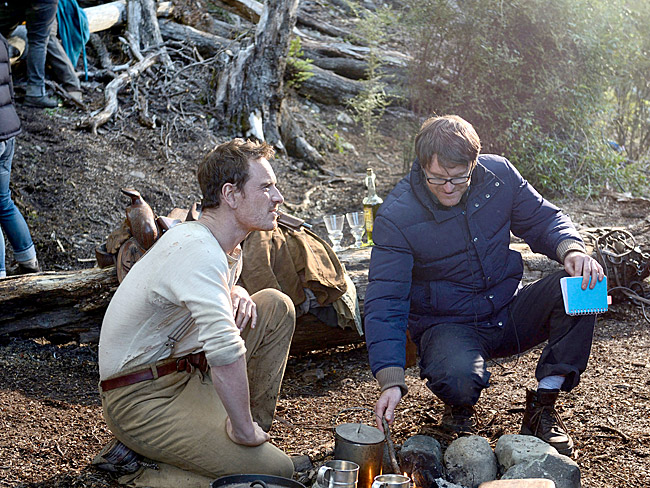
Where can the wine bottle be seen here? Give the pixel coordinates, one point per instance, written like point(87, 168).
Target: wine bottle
point(371, 204)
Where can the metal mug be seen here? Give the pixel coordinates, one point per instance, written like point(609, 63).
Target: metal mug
point(338, 474)
point(391, 481)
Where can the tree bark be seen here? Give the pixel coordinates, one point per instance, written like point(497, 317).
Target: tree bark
point(252, 88)
point(143, 27)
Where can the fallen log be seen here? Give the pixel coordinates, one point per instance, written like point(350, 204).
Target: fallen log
point(206, 44)
point(69, 305)
point(329, 88)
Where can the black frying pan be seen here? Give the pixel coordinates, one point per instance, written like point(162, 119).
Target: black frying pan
point(255, 481)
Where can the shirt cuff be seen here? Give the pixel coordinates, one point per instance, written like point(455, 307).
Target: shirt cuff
point(392, 376)
point(567, 245)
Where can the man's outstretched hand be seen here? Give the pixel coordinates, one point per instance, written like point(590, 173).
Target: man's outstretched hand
point(577, 263)
point(385, 406)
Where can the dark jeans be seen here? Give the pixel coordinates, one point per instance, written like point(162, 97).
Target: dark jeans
point(39, 16)
point(453, 357)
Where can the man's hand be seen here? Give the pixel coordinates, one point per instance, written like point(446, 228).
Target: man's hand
point(577, 263)
point(243, 307)
point(385, 406)
point(251, 439)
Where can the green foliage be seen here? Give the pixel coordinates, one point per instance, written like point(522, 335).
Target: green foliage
point(338, 143)
point(557, 69)
point(565, 166)
point(368, 107)
point(299, 68)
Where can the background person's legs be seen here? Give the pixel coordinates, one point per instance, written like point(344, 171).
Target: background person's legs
point(62, 69)
point(11, 220)
point(39, 17)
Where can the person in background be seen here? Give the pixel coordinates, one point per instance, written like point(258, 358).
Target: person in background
point(12, 221)
point(39, 15)
point(442, 268)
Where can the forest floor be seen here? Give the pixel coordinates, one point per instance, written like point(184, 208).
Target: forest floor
point(67, 183)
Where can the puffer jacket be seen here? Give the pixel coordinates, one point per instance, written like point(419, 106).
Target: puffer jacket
point(9, 121)
point(433, 264)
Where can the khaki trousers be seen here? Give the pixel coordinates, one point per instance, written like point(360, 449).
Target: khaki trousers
point(179, 420)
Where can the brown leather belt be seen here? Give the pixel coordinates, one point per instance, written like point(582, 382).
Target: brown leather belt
point(187, 363)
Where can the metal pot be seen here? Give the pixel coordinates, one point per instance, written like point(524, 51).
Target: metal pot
point(361, 444)
point(255, 481)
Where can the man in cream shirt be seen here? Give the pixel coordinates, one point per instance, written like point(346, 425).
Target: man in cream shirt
point(190, 364)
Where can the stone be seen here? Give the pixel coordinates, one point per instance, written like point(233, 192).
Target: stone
point(447, 484)
point(562, 470)
point(470, 461)
point(512, 449)
point(421, 457)
point(344, 118)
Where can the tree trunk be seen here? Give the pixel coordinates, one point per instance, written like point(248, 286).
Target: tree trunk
point(143, 28)
point(250, 92)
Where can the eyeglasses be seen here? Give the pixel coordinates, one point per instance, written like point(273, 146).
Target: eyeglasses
point(456, 180)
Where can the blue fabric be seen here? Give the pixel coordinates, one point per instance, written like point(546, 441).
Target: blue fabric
point(11, 220)
point(433, 264)
point(73, 31)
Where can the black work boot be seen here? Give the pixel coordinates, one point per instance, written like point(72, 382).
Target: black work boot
point(542, 420)
point(460, 419)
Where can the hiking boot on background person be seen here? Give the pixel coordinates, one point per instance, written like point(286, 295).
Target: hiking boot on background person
point(42, 101)
point(25, 267)
point(542, 420)
point(460, 419)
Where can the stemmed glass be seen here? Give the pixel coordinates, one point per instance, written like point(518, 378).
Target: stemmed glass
point(334, 224)
point(357, 226)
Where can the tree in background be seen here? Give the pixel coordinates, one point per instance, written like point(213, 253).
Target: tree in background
point(250, 88)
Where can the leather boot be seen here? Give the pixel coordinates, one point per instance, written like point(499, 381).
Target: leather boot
point(542, 420)
point(460, 419)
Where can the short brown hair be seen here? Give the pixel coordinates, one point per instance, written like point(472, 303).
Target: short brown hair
point(452, 139)
point(228, 163)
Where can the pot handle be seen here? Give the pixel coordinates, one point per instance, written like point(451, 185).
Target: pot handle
point(324, 475)
point(258, 482)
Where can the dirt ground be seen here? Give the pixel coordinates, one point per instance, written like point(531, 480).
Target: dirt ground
point(67, 182)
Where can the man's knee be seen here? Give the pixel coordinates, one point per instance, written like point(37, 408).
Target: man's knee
point(458, 385)
point(275, 307)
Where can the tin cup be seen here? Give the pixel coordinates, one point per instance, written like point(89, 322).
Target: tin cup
point(338, 474)
point(391, 481)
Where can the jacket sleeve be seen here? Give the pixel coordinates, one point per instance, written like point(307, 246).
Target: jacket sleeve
point(387, 299)
point(536, 220)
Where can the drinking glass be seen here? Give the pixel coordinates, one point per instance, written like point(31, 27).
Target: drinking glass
point(334, 224)
point(357, 226)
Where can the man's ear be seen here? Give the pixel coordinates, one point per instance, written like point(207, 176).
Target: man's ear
point(229, 194)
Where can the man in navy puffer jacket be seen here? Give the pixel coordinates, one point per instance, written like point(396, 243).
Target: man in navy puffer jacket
point(442, 268)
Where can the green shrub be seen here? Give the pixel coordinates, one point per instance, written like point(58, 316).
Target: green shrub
point(299, 69)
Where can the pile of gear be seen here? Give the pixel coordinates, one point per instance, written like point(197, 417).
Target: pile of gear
point(625, 263)
point(290, 258)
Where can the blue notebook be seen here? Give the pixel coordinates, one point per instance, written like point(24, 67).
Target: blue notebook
point(583, 302)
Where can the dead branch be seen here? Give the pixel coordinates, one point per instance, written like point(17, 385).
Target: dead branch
point(65, 95)
point(113, 88)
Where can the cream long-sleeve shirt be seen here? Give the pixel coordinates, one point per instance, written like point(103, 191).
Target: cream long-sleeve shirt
point(186, 273)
